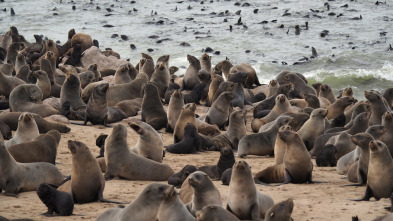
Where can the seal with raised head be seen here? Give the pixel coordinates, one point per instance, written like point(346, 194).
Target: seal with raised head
point(387, 138)
point(227, 159)
point(153, 111)
point(296, 167)
point(339, 106)
point(86, 78)
point(262, 143)
point(42, 149)
point(175, 107)
point(325, 91)
point(378, 106)
point(236, 131)
point(27, 130)
point(206, 63)
point(28, 97)
point(280, 146)
point(205, 193)
point(244, 200)
point(70, 98)
point(144, 208)
point(161, 78)
point(122, 162)
point(150, 144)
point(43, 83)
point(213, 87)
point(172, 87)
point(58, 202)
point(268, 103)
point(313, 127)
point(121, 75)
point(21, 177)
point(281, 211)
point(190, 79)
point(172, 208)
point(299, 87)
point(87, 182)
point(129, 91)
point(187, 115)
point(219, 112)
point(97, 74)
point(224, 86)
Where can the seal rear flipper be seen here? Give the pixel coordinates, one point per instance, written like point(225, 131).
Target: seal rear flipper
point(367, 195)
point(309, 180)
point(110, 201)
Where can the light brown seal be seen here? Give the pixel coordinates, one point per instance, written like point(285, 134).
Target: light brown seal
point(215, 213)
point(252, 77)
point(28, 97)
point(122, 162)
point(313, 127)
point(43, 83)
point(175, 107)
point(281, 211)
point(27, 130)
point(214, 85)
point(187, 115)
point(161, 78)
point(280, 146)
point(8, 83)
point(130, 107)
point(84, 40)
point(121, 75)
point(172, 208)
point(244, 200)
point(219, 112)
point(338, 107)
point(144, 208)
point(236, 131)
point(205, 62)
point(21, 177)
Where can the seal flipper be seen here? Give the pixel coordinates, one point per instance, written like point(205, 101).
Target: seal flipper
point(101, 198)
point(367, 195)
point(11, 188)
point(254, 210)
point(106, 124)
point(309, 180)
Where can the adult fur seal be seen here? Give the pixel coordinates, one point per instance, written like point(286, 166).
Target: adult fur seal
point(280, 146)
point(281, 211)
point(175, 107)
point(129, 91)
point(205, 193)
point(43, 83)
point(313, 127)
point(190, 79)
point(220, 110)
point(70, 98)
point(27, 130)
point(262, 143)
point(122, 162)
point(298, 85)
point(42, 149)
point(251, 78)
point(20, 177)
point(227, 159)
point(161, 78)
point(177, 179)
point(214, 85)
point(236, 131)
point(378, 106)
point(244, 200)
point(130, 107)
point(11, 119)
point(87, 182)
point(144, 208)
point(387, 138)
point(296, 167)
point(153, 111)
point(28, 97)
point(379, 176)
point(172, 208)
point(150, 144)
point(121, 75)
point(187, 115)
point(269, 102)
point(338, 107)
point(84, 40)
point(205, 61)
point(215, 213)
point(57, 201)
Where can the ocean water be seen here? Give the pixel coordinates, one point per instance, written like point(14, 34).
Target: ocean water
point(354, 52)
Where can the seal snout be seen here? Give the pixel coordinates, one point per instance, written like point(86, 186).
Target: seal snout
point(373, 145)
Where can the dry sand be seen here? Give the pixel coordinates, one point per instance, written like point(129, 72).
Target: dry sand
point(325, 201)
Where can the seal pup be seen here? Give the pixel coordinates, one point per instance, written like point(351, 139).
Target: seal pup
point(236, 131)
point(121, 75)
point(43, 83)
point(172, 87)
point(379, 176)
point(153, 111)
point(215, 213)
point(87, 182)
point(187, 115)
point(220, 110)
point(150, 144)
point(281, 211)
point(172, 208)
point(195, 95)
point(11, 119)
point(244, 200)
point(8, 83)
point(28, 97)
point(205, 193)
point(5, 131)
point(75, 56)
point(42, 149)
point(122, 162)
point(327, 157)
point(27, 130)
point(57, 201)
point(191, 142)
point(262, 143)
point(313, 127)
point(144, 208)
point(190, 79)
point(177, 179)
point(21, 177)
point(175, 107)
point(161, 78)
point(227, 159)
point(296, 167)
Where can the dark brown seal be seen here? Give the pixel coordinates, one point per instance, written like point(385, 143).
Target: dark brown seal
point(57, 201)
point(153, 111)
point(227, 159)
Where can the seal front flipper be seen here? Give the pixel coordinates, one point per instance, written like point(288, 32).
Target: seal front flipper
point(11, 188)
point(101, 198)
point(367, 195)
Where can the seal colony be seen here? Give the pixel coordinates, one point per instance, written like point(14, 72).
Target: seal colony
point(140, 150)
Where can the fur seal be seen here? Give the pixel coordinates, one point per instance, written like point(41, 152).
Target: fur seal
point(236, 131)
point(227, 159)
point(378, 106)
point(215, 213)
point(121, 75)
point(122, 162)
point(205, 78)
point(379, 176)
point(281, 211)
point(8, 83)
point(28, 97)
point(161, 78)
point(299, 87)
point(187, 115)
point(327, 157)
point(339, 106)
point(146, 65)
point(190, 79)
point(251, 78)
point(205, 62)
point(175, 107)
point(150, 144)
point(195, 95)
point(387, 138)
point(296, 167)
point(170, 90)
point(12, 53)
point(313, 127)
point(130, 107)
point(214, 85)
point(43, 83)
point(75, 56)
point(224, 86)
point(42, 149)
point(11, 119)
point(84, 40)
point(262, 143)
point(5, 131)
point(191, 142)
point(280, 77)
point(244, 200)
point(27, 130)
point(57, 201)
point(273, 87)
point(220, 110)
point(325, 91)
point(280, 146)
point(20, 177)
point(172, 208)
point(205, 193)
point(153, 111)
point(177, 179)
point(70, 97)
point(144, 208)
point(87, 182)
point(269, 102)
point(226, 176)
point(86, 78)
point(93, 68)
point(20, 61)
